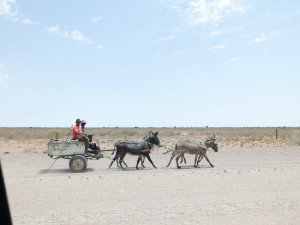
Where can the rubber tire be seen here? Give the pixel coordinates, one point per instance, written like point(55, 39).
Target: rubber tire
point(78, 163)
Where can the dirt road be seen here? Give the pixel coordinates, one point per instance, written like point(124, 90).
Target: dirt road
point(247, 186)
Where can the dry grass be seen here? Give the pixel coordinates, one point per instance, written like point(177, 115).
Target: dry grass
point(239, 137)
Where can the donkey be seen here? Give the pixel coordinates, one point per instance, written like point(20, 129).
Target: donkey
point(128, 142)
point(115, 147)
point(141, 149)
point(198, 150)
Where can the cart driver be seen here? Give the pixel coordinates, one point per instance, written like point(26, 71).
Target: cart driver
point(79, 135)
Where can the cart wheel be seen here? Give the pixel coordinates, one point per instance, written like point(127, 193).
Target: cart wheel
point(78, 163)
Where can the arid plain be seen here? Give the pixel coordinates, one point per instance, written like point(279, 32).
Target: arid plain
point(256, 179)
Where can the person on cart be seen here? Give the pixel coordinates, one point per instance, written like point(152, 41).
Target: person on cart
point(82, 124)
point(79, 135)
point(93, 148)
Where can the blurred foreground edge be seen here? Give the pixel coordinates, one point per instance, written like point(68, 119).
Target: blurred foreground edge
point(4, 207)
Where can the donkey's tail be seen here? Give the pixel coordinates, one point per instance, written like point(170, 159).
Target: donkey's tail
point(175, 151)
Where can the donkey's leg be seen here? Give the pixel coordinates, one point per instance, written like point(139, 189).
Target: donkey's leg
point(138, 161)
point(199, 159)
point(172, 157)
point(117, 161)
point(125, 163)
point(195, 161)
point(118, 164)
point(178, 156)
point(114, 159)
point(148, 157)
point(205, 156)
point(181, 160)
point(142, 161)
point(121, 159)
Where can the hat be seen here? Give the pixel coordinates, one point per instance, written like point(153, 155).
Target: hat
point(78, 120)
point(83, 121)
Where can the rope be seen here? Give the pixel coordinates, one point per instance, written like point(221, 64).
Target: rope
point(59, 153)
point(105, 156)
point(169, 150)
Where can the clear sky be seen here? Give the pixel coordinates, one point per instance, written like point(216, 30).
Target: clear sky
point(150, 63)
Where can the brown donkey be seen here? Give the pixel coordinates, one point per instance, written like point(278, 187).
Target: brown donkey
point(195, 149)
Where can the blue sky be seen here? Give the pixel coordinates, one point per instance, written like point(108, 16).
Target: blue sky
point(150, 63)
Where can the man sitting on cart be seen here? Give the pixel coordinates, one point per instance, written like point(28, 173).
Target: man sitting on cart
point(93, 148)
point(82, 124)
point(79, 135)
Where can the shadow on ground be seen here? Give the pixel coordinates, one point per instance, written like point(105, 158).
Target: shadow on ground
point(60, 171)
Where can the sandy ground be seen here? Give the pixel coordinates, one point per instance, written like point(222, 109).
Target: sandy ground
point(246, 186)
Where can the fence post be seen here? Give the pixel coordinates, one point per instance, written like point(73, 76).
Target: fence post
point(276, 134)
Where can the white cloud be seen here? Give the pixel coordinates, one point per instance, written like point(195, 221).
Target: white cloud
point(7, 9)
point(54, 29)
point(74, 35)
point(265, 37)
point(277, 32)
point(100, 46)
point(25, 21)
point(205, 11)
point(96, 19)
point(3, 79)
point(77, 36)
point(234, 59)
point(166, 38)
point(260, 39)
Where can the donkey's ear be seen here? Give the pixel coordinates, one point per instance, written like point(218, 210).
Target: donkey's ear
point(156, 133)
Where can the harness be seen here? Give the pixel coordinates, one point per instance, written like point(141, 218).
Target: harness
point(149, 147)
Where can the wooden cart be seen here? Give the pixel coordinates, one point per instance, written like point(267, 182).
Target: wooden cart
point(73, 150)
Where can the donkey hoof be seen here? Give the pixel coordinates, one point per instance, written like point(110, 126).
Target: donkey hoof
point(178, 167)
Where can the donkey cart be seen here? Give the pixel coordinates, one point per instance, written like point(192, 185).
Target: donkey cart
point(74, 150)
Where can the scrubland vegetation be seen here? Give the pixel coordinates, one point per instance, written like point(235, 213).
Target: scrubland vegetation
point(240, 137)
